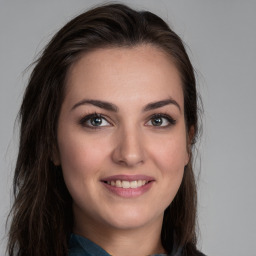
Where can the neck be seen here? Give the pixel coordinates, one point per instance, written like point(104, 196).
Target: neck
point(144, 240)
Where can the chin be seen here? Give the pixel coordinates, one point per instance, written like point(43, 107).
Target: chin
point(132, 219)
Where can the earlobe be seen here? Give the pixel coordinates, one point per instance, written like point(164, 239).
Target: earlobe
point(190, 137)
point(55, 157)
point(187, 156)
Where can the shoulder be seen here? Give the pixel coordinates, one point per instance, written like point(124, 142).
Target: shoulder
point(81, 246)
point(194, 253)
point(198, 253)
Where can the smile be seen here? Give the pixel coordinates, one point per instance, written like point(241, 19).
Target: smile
point(127, 184)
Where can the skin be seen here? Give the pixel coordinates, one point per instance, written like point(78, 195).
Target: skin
point(127, 142)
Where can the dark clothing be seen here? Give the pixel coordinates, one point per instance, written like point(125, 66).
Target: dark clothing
point(81, 246)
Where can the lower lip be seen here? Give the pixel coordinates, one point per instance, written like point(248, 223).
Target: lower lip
point(129, 192)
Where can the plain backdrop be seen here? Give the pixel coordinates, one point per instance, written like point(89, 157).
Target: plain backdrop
point(221, 40)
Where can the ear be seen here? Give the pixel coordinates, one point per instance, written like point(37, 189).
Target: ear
point(55, 157)
point(190, 137)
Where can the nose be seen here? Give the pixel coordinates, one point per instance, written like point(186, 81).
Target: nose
point(129, 150)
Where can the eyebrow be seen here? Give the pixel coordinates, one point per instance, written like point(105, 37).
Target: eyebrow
point(111, 107)
point(161, 103)
point(97, 103)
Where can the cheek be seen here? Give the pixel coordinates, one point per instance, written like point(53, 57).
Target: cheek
point(78, 150)
point(169, 158)
point(171, 154)
point(80, 161)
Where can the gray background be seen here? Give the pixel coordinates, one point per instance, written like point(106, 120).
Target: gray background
point(221, 36)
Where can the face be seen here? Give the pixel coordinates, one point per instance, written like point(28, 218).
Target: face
point(122, 137)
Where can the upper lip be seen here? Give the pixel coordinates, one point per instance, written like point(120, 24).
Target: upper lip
point(128, 178)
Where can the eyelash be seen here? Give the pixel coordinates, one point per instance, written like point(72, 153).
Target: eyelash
point(89, 117)
point(169, 119)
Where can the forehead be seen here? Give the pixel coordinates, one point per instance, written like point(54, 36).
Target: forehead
point(125, 74)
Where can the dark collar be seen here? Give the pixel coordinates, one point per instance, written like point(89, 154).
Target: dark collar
point(81, 246)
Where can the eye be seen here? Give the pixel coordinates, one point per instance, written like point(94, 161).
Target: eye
point(94, 121)
point(161, 120)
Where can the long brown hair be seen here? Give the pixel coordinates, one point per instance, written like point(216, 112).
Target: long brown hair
point(42, 214)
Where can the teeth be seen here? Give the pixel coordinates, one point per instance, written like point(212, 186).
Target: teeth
point(127, 184)
point(118, 184)
point(134, 184)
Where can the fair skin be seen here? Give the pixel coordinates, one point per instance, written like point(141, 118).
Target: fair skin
point(123, 161)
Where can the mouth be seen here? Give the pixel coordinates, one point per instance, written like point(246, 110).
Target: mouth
point(128, 185)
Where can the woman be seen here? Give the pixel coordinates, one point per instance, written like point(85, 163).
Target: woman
point(108, 123)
